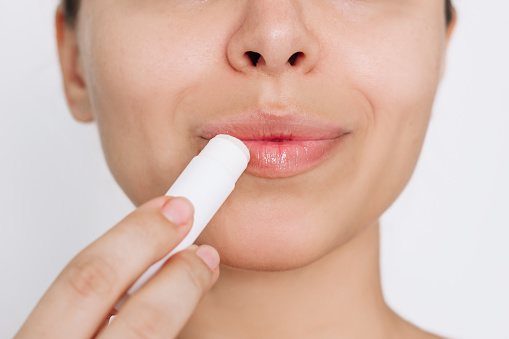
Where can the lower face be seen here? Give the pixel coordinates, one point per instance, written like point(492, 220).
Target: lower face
point(165, 76)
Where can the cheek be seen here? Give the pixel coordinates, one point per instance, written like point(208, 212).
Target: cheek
point(137, 75)
point(397, 72)
point(399, 78)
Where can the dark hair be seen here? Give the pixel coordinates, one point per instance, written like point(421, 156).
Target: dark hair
point(449, 12)
point(71, 8)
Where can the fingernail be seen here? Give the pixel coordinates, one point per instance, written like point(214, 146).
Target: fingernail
point(178, 210)
point(209, 256)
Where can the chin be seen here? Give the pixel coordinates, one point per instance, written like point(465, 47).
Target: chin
point(262, 256)
point(269, 241)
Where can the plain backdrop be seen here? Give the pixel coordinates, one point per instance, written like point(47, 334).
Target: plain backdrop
point(445, 253)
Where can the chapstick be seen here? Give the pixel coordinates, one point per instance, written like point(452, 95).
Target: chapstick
point(206, 182)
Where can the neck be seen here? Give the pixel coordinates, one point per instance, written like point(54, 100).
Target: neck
point(337, 296)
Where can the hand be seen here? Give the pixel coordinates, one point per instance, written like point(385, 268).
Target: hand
point(80, 301)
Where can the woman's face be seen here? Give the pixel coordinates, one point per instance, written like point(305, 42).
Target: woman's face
point(163, 76)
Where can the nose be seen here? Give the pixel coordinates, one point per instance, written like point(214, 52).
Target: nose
point(273, 39)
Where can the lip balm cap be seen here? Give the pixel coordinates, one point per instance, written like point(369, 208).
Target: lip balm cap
point(230, 152)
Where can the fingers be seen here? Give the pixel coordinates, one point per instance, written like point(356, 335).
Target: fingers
point(84, 293)
point(162, 307)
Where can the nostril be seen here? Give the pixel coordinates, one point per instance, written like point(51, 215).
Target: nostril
point(254, 57)
point(294, 57)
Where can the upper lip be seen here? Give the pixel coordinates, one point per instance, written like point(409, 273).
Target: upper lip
point(264, 126)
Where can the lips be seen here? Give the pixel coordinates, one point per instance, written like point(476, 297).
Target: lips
point(281, 145)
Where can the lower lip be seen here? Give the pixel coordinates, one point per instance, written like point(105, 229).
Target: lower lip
point(279, 159)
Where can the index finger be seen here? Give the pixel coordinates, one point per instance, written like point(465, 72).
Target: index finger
point(84, 293)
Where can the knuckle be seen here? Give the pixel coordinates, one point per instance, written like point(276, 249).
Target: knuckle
point(146, 227)
point(147, 323)
point(139, 228)
point(92, 277)
point(195, 271)
point(141, 233)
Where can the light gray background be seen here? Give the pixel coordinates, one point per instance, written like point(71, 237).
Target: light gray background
point(445, 258)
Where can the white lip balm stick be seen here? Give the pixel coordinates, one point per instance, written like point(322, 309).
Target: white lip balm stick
point(206, 182)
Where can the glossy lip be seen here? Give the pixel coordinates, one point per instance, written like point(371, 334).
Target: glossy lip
point(281, 145)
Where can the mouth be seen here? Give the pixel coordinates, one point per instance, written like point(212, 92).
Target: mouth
point(281, 145)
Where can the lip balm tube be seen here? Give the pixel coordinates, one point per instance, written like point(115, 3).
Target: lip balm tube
point(206, 182)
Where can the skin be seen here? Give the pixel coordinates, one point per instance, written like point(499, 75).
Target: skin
point(300, 254)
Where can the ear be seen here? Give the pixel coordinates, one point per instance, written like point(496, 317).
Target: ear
point(448, 34)
point(72, 71)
